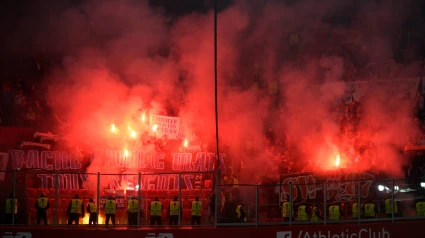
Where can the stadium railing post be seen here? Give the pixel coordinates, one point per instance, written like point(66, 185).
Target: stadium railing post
point(359, 200)
point(290, 204)
point(56, 222)
point(392, 200)
point(98, 198)
point(14, 197)
point(216, 185)
point(325, 192)
point(180, 198)
point(256, 205)
point(139, 179)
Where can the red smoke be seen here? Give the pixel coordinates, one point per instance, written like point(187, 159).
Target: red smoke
point(123, 60)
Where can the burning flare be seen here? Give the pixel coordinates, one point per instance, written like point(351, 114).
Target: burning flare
point(337, 160)
point(126, 153)
point(133, 134)
point(113, 128)
point(143, 117)
point(185, 143)
point(155, 127)
point(100, 219)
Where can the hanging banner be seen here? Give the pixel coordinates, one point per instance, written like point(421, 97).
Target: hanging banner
point(163, 125)
point(4, 159)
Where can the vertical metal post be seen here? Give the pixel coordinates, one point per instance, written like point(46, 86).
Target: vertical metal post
point(14, 198)
point(56, 198)
point(217, 193)
point(256, 205)
point(98, 197)
point(392, 201)
point(139, 195)
point(180, 197)
point(325, 193)
point(359, 200)
point(290, 204)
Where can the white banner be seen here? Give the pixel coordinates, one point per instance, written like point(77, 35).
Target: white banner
point(4, 158)
point(163, 125)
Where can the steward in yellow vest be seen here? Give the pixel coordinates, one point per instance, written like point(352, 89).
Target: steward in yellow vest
point(75, 210)
point(132, 210)
point(92, 210)
point(420, 209)
point(11, 209)
point(110, 210)
point(356, 212)
point(388, 207)
point(370, 210)
point(196, 211)
point(286, 210)
point(303, 211)
point(241, 213)
point(334, 213)
point(41, 205)
point(174, 211)
point(315, 213)
point(156, 212)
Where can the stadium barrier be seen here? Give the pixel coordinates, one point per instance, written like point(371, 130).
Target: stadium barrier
point(262, 204)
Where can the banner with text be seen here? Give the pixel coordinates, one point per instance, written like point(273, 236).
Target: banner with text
point(164, 125)
point(340, 187)
point(159, 171)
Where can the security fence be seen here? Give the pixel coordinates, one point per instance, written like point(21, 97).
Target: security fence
point(134, 194)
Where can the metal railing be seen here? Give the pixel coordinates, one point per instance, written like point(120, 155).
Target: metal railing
point(236, 205)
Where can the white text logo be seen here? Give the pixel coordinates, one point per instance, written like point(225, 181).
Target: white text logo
point(160, 235)
point(17, 235)
point(284, 234)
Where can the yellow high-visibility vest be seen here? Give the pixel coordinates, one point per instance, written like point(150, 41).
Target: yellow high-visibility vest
point(196, 208)
point(76, 206)
point(156, 208)
point(42, 202)
point(334, 212)
point(238, 211)
point(314, 217)
point(302, 215)
point(369, 210)
point(174, 208)
point(132, 205)
point(286, 209)
point(110, 206)
point(420, 209)
point(388, 206)
point(355, 210)
point(93, 207)
point(9, 205)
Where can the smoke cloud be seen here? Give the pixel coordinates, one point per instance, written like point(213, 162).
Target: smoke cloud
point(123, 59)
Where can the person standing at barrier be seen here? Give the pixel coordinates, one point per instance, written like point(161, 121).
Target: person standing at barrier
point(110, 209)
point(370, 210)
point(420, 208)
point(334, 213)
point(41, 205)
point(315, 213)
point(303, 211)
point(156, 212)
point(92, 210)
point(240, 210)
point(212, 209)
point(173, 211)
point(75, 210)
point(389, 209)
point(355, 210)
point(11, 209)
point(132, 210)
point(196, 211)
point(286, 211)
